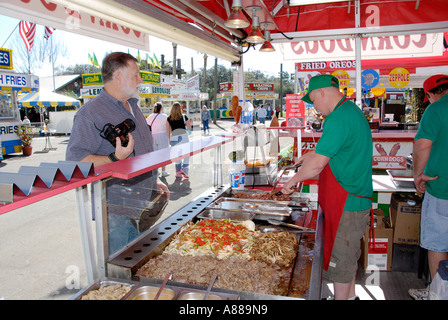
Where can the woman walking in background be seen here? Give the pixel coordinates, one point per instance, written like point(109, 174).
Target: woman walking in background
point(157, 123)
point(176, 128)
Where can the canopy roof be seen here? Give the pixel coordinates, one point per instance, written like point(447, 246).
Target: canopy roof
point(46, 99)
point(290, 21)
point(199, 24)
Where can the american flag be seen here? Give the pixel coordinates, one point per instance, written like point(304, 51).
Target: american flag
point(48, 32)
point(27, 31)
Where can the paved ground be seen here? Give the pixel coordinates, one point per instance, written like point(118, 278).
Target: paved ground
point(40, 244)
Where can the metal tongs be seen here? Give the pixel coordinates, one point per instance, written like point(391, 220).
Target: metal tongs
point(167, 277)
point(295, 167)
point(210, 286)
point(289, 225)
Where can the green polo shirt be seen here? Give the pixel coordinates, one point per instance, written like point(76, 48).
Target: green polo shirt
point(347, 140)
point(434, 126)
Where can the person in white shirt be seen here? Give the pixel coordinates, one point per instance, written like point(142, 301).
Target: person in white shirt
point(157, 123)
point(262, 114)
point(26, 121)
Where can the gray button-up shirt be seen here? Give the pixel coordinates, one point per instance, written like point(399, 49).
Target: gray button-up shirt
point(124, 197)
point(88, 122)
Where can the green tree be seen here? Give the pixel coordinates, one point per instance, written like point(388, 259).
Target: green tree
point(77, 69)
point(418, 106)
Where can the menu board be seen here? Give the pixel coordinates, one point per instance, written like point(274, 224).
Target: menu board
point(295, 110)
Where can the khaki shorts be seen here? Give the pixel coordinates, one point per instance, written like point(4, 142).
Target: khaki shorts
point(347, 246)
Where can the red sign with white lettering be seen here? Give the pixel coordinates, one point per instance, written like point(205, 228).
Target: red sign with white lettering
point(295, 110)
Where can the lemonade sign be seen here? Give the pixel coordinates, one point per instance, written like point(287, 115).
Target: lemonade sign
point(399, 78)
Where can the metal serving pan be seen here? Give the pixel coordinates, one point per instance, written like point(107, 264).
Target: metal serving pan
point(99, 284)
point(295, 196)
point(260, 206)
point(216, 214)
point(402, 178)
point(149, 293)
point(262, 209)
point(191, 294)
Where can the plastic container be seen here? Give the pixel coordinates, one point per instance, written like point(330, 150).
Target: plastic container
point(438, 290)
point(234, 175)
point(242, 169)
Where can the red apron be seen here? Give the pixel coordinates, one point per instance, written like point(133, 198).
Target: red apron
point(332, 197)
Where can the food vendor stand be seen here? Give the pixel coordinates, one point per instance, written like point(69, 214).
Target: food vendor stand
point(253, 92)
point(187, 93)
point(11, 84)
point(390, 148)
point(193, 102)
point(125, 264)
point(52, 179)
point(349, 22)
point(150, 90)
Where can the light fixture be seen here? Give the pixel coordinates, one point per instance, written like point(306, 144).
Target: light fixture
point(237, 19)
point(267, 46)
point(255, 36)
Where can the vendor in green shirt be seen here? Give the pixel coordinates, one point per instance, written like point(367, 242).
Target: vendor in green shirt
point(343, 161)
point(430, 159)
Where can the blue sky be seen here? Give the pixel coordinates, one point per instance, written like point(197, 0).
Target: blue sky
point(80, 46)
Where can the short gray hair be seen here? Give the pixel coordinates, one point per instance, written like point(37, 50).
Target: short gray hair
point(114, 61)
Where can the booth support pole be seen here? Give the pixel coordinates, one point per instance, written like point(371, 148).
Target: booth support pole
point(99, 209)
point(86, 233)
point(217, 174)
point(358, 55)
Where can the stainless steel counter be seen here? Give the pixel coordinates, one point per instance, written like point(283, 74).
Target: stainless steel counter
point(125, 263)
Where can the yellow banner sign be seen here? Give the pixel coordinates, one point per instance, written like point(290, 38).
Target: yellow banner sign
point(399, 78)
point(92, 79)
point(150, 77)
point(343, 77)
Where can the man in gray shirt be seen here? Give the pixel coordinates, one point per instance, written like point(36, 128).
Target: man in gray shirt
point(118, 101)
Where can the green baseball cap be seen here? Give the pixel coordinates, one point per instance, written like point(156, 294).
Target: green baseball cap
point(318, 82)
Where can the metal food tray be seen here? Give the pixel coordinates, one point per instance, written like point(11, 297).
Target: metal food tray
point(402, 178)
point(295, 196)
point(261, 209)
point(307, 274)
point(216, 214)
point(147, 291)
point(101, 283)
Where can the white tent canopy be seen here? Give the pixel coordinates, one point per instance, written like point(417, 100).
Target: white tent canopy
point(44, 98)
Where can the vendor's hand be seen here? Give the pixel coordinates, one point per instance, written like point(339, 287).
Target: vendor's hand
point(124, 152)
point(289, 187)
point(303, 158)
point(162, 188)
point(420, 182)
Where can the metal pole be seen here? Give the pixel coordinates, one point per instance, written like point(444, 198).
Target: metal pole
point(86, 233)
point(217, 172)
point(204, 74)
point(174, 60)
point(281, 89)
point(358, 55)
point(100, 214)
point(215, 83)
